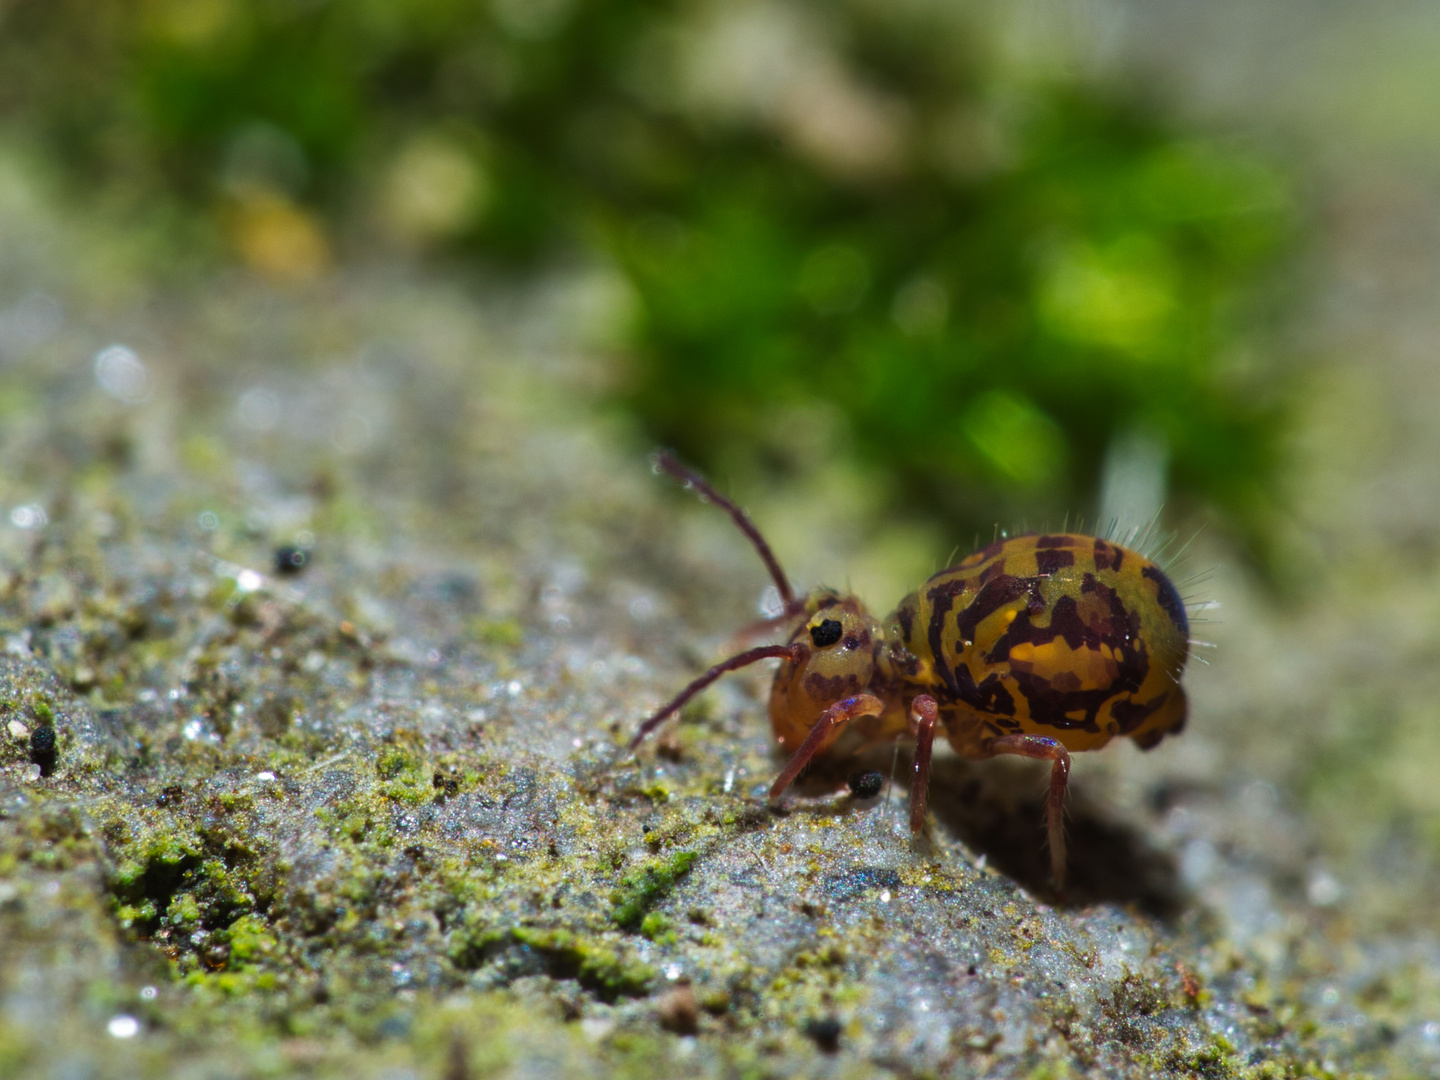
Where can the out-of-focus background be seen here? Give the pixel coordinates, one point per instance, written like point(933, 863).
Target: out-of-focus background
point(414, 287)
point(902, 246)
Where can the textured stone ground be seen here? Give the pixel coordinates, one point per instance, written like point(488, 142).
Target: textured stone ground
point(374, 818)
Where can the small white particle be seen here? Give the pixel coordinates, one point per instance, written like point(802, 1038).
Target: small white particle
point(148, 993)
point(885, 896)
point(596, 1028)
point(502, 858)
point(19, 730)
point(673, 971)
point(1431, 1031)
point(248, 580)
point(122, 375)
point(1323, 890)
point(123, 1027)
point(980, 863)
point(29, 516)
point(266, 775)
point(577, 743)
point(31, 774)
point(729, 781)
point(513, 687)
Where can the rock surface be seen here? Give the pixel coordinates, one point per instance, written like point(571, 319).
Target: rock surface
point(372, 815)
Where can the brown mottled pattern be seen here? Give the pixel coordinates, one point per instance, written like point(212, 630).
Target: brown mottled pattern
point(1066, 636)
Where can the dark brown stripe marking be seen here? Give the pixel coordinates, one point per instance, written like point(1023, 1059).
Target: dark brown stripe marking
point(1047, 562)
point(942, 599)
point(1052, 707)
point(996, 594)
point(1131, 714)
point(1108, 556)
point(906, 617)
point(989, 696)
point(1115, 627)
point(1168, 598)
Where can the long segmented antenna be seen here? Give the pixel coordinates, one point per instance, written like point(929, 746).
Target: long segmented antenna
point(665, 461)
point(795, 652)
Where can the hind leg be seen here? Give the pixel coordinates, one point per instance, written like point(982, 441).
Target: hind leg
point(924, 714)
point(1037, 746)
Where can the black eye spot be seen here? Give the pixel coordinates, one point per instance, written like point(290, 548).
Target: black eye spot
point(827, 633)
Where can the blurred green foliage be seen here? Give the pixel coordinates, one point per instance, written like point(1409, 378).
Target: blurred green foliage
point(984, 280)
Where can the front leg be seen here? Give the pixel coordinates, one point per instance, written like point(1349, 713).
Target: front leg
point(832, 721)
point(1038, 746)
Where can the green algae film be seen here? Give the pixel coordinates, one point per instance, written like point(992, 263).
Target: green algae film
point(641, 889)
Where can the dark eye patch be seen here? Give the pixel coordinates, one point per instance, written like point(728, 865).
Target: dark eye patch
point(826, 633)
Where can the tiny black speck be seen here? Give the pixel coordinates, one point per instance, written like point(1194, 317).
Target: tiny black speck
point(866, 785)
point(448, 786)
point(827, 633)
point(290, 559)
point(42, 748)
point(826, 1033)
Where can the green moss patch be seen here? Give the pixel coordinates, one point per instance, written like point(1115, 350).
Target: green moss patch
point(641, 890)
point(592, 962)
